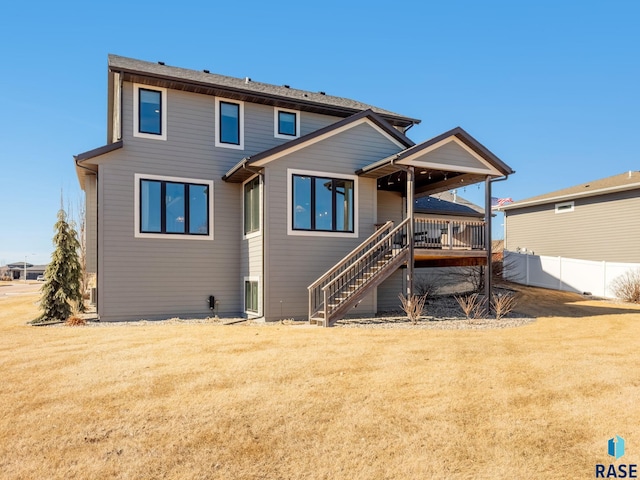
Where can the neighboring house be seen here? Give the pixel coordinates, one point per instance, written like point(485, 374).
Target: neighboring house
point(218, 195)
point(593, 221)
point(16, 270)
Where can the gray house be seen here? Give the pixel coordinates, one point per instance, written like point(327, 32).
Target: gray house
point(593, 221)
point(219, 195)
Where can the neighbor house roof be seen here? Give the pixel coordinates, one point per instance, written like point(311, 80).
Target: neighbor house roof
point(625, 181)
point(243, 169)
point(448, 203)
point(245, 89)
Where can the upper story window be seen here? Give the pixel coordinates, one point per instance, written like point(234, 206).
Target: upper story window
point(565, 207)
point(252, 206)
point(322, 203)
point(229, 124)
point(286, 123)
point(173, 206)
point(149, 112)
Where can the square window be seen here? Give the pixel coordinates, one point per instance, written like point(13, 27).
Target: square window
point(286, 123)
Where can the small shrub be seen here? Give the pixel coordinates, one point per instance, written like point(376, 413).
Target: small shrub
point(503, 304)
point(425, 286)
point(627, 286)
point(413, 306)
point(472, 305)
point(74, 321)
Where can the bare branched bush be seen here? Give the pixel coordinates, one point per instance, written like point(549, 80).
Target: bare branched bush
point(503, 304)
point(425, 286)
point(472, 305)
point(413, 306)
point(627, 286)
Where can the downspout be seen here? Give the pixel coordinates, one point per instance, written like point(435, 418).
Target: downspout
point(488, 287)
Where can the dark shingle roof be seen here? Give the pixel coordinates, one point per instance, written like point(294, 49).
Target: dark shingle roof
point(625, 181)
point(254, 91)
point(448, 203)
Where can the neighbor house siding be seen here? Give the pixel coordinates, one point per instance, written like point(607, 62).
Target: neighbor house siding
point(91, 223)
point(600, 228)
point(294, 262)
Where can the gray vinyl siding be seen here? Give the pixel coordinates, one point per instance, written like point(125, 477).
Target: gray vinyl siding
point(388, 291)
point(160, 278)
point(390, 207)
point(454, 155)
point(251, 256)
point(293, 262)
point(600, 228)
point(91, 223)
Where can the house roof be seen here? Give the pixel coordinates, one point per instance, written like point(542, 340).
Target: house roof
point(243, 169)
point(448, 203)
point(625, 181)
point(140, 71)
point(81, 170)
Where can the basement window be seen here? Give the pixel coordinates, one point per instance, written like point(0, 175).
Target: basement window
point(564, 207)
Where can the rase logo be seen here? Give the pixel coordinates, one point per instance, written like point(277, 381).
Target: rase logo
point(615, 448)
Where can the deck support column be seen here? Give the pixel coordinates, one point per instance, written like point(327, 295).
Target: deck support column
point(487, 239)
point(410, 228)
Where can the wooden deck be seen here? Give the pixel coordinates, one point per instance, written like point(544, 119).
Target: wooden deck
point(432, 257)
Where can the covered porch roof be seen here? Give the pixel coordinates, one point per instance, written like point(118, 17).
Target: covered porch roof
point(451, 160)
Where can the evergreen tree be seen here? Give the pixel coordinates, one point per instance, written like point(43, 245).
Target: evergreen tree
point(61, 291)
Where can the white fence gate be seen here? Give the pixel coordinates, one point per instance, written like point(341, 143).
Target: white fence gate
point(570, 274)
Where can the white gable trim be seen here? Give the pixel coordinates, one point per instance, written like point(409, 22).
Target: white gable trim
point(413, 159)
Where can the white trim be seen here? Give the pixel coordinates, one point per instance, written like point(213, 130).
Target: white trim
point(136, 207)
point(307, 233)
point(565, 207)
point(329, 134)
point(412, 159)
point(258, 232)
point(252, 278)
point(218, 143)
point(136, 109)
point(276, 122)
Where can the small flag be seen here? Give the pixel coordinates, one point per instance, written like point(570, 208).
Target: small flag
point(500, 202)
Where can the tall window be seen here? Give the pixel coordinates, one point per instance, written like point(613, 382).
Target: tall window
point(322, 204)
point(252, 206)
point(251, 296)
point(149, 112)
point(230, 124)
point(174, 207)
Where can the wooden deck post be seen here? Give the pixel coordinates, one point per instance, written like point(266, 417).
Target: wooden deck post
point(410, 228)
point(487, 238)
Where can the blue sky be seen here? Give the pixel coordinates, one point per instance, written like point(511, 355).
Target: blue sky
point(550, 87)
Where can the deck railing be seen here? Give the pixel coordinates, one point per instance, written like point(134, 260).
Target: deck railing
point(449, 234)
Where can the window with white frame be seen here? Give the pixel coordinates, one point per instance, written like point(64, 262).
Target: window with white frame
point(322, 204)
point(171, 206)
point(565, 207)
point(251, 206)
point(286, 123)
point(251, 295)
point(149, 112)
point(229, 131)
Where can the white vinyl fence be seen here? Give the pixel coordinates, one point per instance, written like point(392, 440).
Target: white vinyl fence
point(570, 274)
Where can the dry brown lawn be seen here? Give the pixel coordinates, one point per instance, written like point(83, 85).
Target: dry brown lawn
point(201, 401)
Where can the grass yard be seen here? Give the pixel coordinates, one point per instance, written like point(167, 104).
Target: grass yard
point(202, 401)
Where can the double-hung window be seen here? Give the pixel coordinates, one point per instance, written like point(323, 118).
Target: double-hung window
point(252, 206)
point(173, 206)
point(322, 203)
point(229, 124)
point(286, 123)
point(149, 112)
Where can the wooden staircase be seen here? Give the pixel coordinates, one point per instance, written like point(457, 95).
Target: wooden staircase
point(353, 277)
